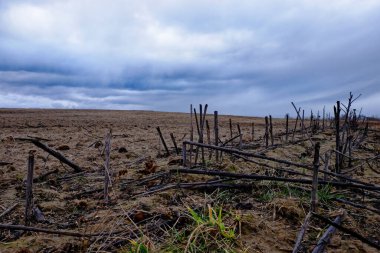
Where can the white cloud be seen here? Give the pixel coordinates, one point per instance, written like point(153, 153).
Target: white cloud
point(250, 52)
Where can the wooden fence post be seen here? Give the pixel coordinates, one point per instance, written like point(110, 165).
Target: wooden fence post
point(314, 191)
point(266, 136)
point(191, 133)
point(271, 130)
point(287, 127)
point(29, 190)
point(337, 136)
point(208, 132)
point(216, 132)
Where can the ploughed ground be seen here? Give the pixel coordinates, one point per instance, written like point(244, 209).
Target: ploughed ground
point(265, 218)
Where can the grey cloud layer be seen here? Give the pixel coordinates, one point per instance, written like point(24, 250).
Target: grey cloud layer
point(249, 58)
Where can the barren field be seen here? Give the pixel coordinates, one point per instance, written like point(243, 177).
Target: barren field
point(239, 215)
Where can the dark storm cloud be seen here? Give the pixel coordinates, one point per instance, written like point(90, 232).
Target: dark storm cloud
point(250, 58)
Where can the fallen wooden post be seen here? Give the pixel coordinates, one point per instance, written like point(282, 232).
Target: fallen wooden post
point(291, 172)
point(347, 231)
point(56, 154)
point(195, 185)
point(248, 154)
point(5, 163)
point(236, 151)
point(357, 205)
point(44, 230)
point(325, 239)
point(38, 138)
point(8, 210)
point(301, 233)
point(44, 176)
point(230, 140)
point(272, 178)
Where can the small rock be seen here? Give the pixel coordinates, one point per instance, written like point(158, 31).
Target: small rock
point(122, 150)
point(63, 147)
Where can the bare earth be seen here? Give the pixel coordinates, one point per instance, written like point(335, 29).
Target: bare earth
point(268, 220)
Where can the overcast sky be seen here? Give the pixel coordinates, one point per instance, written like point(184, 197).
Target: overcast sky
point(241, 57)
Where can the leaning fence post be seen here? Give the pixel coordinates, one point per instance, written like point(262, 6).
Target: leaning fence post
point(29, 190)
point(174, 143)
point(298, 116)
point(241, 136)
point(202, 116)
point(163, 141)
point(197, 122)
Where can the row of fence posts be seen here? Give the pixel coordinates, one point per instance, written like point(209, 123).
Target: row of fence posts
point(344, 142)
